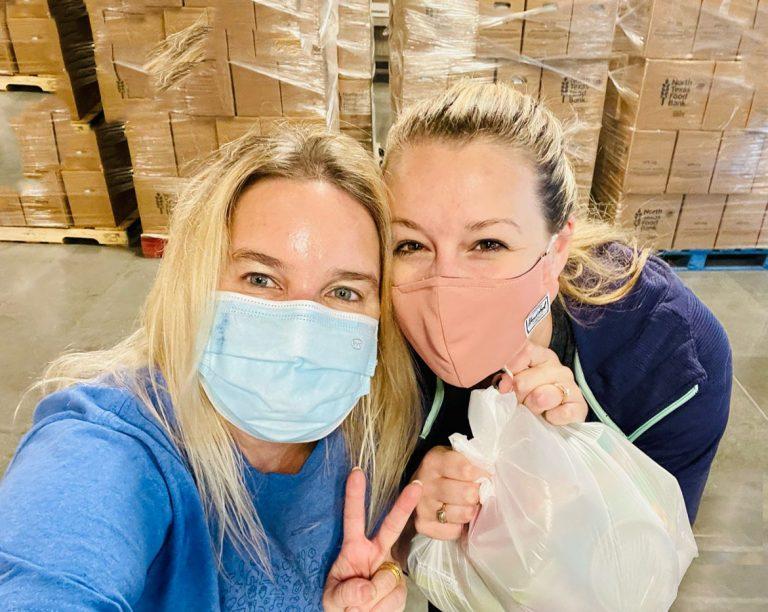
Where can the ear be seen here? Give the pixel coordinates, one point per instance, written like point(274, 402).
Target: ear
point(560, 251)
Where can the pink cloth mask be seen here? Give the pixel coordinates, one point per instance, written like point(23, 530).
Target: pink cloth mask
point(466, 329)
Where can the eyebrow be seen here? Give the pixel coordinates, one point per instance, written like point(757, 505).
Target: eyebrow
point(478, 225)
point(261, 258)
point(408, 223)
point(338, 274)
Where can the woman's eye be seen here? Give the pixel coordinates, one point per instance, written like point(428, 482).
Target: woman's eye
point(261, 280)
point(489, 245)
point(346, 294)
point(408, 246)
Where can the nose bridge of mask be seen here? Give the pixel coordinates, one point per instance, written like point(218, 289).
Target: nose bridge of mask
point(307, 334)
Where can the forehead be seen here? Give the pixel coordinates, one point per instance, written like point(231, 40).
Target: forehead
point(303, 218)
point(476, 179)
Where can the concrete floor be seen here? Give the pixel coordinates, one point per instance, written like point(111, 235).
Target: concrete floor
point(84, 297)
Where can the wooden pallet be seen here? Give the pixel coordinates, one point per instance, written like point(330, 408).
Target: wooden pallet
point(16, 82)
point(107, 236)
point(717, 259)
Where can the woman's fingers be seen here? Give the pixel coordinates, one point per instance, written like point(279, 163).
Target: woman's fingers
point(438, 531)
point(394, 523)
point(572, 412)
point(449, 491)
point(526, 381)
point(394, 601)
point(354, 592)
point(446, 463)
point(354, 507)
point(531, 356)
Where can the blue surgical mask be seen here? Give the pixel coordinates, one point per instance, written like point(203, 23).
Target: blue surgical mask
point(286, 371)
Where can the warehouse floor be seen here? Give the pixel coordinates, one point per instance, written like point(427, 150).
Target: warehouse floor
point(83, 297)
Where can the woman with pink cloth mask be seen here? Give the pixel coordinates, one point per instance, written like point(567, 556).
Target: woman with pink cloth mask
point(500, 277)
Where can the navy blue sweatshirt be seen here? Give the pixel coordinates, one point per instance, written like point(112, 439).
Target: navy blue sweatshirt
point(655, 365)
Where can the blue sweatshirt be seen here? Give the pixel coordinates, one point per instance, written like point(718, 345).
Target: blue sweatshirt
point(98, 511)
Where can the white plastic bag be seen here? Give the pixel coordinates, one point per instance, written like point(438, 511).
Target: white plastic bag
point(573, 518)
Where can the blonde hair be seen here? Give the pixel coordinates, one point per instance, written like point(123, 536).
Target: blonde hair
point(471, 110)
point(381, 430)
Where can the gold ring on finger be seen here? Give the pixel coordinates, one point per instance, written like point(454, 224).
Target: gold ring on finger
point(394, 568)
point(564, 391)
point(441, 518)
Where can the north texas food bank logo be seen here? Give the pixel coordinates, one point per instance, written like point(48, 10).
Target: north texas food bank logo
point(674, 92)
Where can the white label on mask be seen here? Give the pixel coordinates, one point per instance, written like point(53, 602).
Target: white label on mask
point(537, 315)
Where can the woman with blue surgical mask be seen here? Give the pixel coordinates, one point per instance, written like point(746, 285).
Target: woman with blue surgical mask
point(217, 458)
point(502, 277)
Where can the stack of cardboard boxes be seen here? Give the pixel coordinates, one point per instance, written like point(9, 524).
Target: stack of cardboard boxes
point(74, 173)
point(683, 153)
point(557, 51)
point(189, 76)
point(7, 59)
point(71, 167)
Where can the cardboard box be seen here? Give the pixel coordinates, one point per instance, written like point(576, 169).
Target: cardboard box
point(151, 143)
point(194, 139)
point(233, 128)
point(737, 160)
point(301, 102)
point(581, 149)
point(693, 161)
point(591, 30)
point(636, 161)
point(718, 33)
point(730, 97)
point(93, 203)
point(653, 218)
point(36, 46)
point(546, 34)
point(78, 148)
point(355, 97)
point(742, 221)
point(574, 90)
point(23, 9)
point(256, 94)
point(526, 78)
point(133, 34)
point(7, 58)
point(674, 94)
point(44, 201)
point(758, 114)
point(760, 184)
point(156, 197)
point(499, 32)
point(762, 239)
point(699, 221)
point(753, 47)
point(241, 46)
point(672, 28)
point(11, 212)
point(35, 139)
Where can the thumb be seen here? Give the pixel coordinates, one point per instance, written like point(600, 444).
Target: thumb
point(504, 383)
point(351, 592)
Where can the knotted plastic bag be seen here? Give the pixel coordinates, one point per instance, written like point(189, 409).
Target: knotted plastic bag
point(572, 518)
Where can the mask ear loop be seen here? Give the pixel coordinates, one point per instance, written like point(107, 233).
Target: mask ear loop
point(551, 243)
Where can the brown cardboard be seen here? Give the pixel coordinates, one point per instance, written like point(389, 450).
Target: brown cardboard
point(758, 114)
point(90, 200)
point(151, 143)
point(35, 139)
point(241, 46)
point(133, 34)
point(156, 196)
point(44, 201)
point(36, 46)
point(256, 94)
point(497, 33)
point(672, 28)
point(546, 34)
point(693, 161)
point(574, 90)
point(592, 25)
point(652, 218)
point(742, 220)
point(637, 161)
point(523, 77)
point(730, 97)
point(7, 59)
point(737, 161)
point(699, 221)
point(301, 102)
point(11, 212)
point(762, 239)
point(753, 47)
point(760, 184)
point(24, 9)
point(78, 148)
point(718, 33)
point(581, 149)
point(355, 97)
point(233, 128)
point(674, 94)
point(194, 138)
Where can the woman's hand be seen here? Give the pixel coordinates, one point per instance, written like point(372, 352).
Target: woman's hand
point(357, 582)
point(448, 479)
point(545, 386)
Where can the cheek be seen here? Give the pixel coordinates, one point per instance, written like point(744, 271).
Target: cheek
point(229, 280)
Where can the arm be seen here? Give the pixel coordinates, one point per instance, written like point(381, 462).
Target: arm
point(84, 511)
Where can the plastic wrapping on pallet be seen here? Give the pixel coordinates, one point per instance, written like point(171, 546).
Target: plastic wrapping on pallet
point(53, 43)
point(186, 79)
point(65, 172)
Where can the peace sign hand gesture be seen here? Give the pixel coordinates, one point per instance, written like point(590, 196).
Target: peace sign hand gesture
point(357, 582)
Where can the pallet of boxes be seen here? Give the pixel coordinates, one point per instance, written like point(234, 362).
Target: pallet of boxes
point(684, 150)
point(70, 175)
point(188, 77)
point(557, 52)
